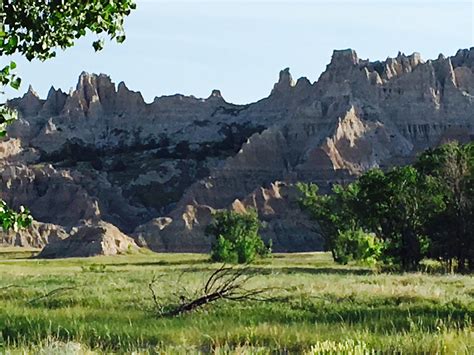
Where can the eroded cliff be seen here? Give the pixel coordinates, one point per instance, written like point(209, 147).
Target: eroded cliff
point(158, 170)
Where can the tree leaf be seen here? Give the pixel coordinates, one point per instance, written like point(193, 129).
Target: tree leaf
point(15, 84)
point(98, 45)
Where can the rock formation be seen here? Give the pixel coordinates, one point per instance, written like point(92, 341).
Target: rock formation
point(35, 236)
point(99, 238)
point(158, 170)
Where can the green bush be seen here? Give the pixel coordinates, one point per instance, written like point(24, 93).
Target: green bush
point(356, 245)
point(237, 237)
point(223, 250)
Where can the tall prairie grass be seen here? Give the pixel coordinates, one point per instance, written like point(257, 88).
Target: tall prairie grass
point(104, 305)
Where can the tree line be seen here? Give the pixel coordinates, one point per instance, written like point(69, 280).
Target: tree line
point(393, 218)
point(401, 216)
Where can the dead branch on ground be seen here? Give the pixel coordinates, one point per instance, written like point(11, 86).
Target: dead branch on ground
point(225, 283)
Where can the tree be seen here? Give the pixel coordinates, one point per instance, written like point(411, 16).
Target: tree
point(335, 216)
point(452, 229)
point(380, 216)
point(340, 224)
point(396, 206)
point(357, 245)
point(36, 29)
point(236, 237)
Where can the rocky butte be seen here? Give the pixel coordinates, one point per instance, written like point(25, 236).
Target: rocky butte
point(99, 166)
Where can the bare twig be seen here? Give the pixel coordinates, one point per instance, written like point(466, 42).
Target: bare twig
point(153, 293)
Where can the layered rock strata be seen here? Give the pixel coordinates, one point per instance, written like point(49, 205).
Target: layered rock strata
point(158, 170)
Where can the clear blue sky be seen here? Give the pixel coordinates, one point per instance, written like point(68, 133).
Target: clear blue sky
point(239, 47)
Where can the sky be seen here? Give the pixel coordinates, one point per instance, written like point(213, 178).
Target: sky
point(192, 47)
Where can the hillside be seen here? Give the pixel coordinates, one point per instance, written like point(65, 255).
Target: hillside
point(158, 170)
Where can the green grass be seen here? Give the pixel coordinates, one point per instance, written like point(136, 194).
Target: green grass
point(10, 253)
point(105, 305)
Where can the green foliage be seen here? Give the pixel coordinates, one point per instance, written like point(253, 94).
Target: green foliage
point(7, 77)
point(237, 238)
point(334, 214)
point(7, 116)
point(10, 219)
point(412, 212)
point(356, 245)
point(36, 28)
point(395, 206)
point(223, 251)
point(451, 230)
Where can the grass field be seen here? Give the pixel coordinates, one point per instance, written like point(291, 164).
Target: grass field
point(104, 305)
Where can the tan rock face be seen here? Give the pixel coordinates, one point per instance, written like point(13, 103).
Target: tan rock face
point(158, 170)
point(99, 238)
point(358, 145)
point(35, 236)
point(65, 197)
point(283, 223)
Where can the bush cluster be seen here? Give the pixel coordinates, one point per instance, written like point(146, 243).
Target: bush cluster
point(236, 237)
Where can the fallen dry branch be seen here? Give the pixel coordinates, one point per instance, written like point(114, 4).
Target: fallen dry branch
point(225, 283)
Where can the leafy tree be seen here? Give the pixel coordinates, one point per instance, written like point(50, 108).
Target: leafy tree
point(237, 238)
point(381, 216)
point(14, 220)
point(36, 29)
point(7, 115)
point(334, 214)
point(452, 229)
point(396, 206)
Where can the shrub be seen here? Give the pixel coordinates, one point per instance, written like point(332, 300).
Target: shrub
point(237, 238)
point(223, 250)
point(356, 245)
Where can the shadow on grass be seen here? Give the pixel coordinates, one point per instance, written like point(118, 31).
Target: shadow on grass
point(375, 318)
point(163, 263)
point(311, 270)
point(17, 255)
point(286, 270)
point(254, 270)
